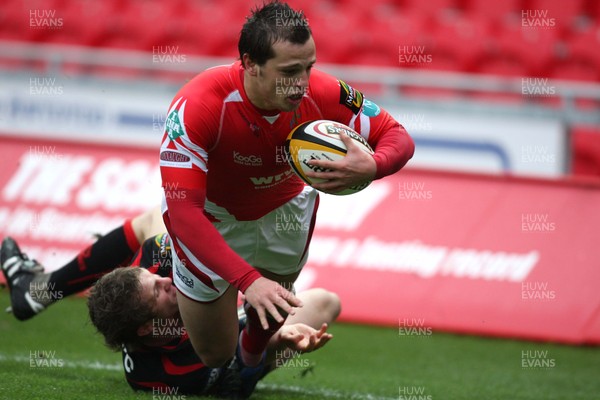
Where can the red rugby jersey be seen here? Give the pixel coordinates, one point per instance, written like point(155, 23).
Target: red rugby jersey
point(218, 147)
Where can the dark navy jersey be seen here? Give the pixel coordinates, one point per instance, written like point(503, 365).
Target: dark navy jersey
point(174, 368)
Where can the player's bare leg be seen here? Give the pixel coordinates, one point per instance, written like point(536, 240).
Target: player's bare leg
point(320, 306)
point(148, 224)
point(211, 327)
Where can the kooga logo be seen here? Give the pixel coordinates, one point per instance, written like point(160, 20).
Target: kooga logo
point(251, 159)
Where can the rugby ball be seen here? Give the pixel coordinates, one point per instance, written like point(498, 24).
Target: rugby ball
point(320, 140)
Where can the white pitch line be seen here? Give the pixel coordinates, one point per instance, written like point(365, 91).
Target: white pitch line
point(322, 393)
point(69, 364)
point(317, 393)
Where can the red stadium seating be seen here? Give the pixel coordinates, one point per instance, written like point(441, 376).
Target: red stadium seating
point(430, 7)
point(578, 70)
point(16, 22)
point(532, 50)
point(460, 35)
point(586, 151)
point(84, 23)
point(133, 24)
point(586, 42)
point(399, 29)
point(497, 11)
point(563, 13)
point(211, 29)
point(324, 27)
point(459, 43)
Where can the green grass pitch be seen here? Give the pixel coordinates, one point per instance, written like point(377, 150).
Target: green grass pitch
point(361, 362)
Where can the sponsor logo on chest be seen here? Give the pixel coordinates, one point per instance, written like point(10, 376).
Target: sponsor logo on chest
point(250, 160)
point(261, 182)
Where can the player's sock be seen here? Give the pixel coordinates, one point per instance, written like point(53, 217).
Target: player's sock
point(253, 338)
point(110, 251)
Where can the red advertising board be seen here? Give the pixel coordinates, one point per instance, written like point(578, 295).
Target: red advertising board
point(55, 195)
point(467, 253)
point(420, 250)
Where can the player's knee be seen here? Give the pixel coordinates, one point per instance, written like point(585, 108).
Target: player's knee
point(329, 304)
point(213, 359)
point(148, 224)
point(334, 305)
point(214, 354)
point(141, 224)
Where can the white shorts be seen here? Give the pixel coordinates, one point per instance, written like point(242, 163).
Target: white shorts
point(277, 242)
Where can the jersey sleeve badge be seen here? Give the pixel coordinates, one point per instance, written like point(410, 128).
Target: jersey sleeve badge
point(350, 97)
point(370, 109)
point(174, 123)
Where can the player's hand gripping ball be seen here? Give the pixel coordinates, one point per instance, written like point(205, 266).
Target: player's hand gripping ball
point(320, 140)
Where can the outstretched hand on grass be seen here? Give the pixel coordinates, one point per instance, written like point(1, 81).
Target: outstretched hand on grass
point(303, 338)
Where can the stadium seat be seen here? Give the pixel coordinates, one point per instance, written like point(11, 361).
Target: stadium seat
point(531, 49)
point(579, 58)
point(135, 24)
point(430, 7)
point(340, 50)
point(390, 36)
point(460, 35)
point(17, 23)
point(497, 11)
point(586, 151)
point(372, 41)
point(593, 10)
point(575, 69)
point(84, 23)
point(564, 14)
point(502, 65)
point(208, 28)
point(459, 43)
point(584, 46)
point(186, 30)
point(401, 27)
point(28, 21)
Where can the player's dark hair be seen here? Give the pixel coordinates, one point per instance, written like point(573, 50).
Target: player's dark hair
point(116, 308)
point(272, 22)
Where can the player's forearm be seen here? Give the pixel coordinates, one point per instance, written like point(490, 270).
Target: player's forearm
point(393, 150)
point(188, 224)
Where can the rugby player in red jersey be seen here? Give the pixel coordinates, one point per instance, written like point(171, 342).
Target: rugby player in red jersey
point(225, 184)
